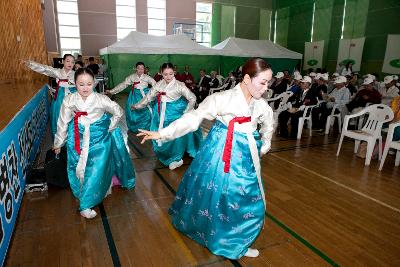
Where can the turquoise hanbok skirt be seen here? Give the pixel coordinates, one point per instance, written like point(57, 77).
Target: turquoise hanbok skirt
point(221, 211)
point(107, 156)
point(140, 118)
point(174, 150)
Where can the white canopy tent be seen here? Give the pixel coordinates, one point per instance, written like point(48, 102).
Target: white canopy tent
point(143, 43)
point(238, 47)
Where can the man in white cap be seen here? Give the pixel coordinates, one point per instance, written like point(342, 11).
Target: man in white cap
point(389, 90)
point(296, 83)
point(304, 97)
point(280, 84)
point(364, 96)
point(340, 96)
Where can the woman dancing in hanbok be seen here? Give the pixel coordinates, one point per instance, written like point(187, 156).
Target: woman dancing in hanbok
point(173, 100)
point(220, 202)
point(88, 125)
point(136, 119)
point(65, 84)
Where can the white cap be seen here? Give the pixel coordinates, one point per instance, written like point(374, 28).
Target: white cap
point(368, 80)
point(340, 79)
point(297, 76)
point(325, 76)
point(395, 77)
point(317, 76)
point(370, 76)
point(388, 79)
point(306, 79)
point(279, 75)
point(335, 74)
point(312, 74)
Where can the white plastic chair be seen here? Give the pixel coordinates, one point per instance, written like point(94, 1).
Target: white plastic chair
point(378, 114)
point(221, 88)
point(307, 114)
point(284, 97)
point(330, 120)
point(391, 144)
point(268, 93)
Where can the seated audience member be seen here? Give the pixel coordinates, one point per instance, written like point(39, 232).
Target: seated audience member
point(187, 78)
point(396, 110)
point(214, 83)
point(230, 80)
point(389, 90)
point(364, 96)
point(93, 66)
point(302, 98)
point(280, 84)
point(158, 77)
point(203, 86)
point(340, 96)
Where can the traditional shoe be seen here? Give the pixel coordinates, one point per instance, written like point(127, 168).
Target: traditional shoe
point(175, 164)
point(88, 213)
point(252, 253)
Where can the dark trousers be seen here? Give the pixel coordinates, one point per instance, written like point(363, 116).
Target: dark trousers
point(283, 119)
point(320, 114)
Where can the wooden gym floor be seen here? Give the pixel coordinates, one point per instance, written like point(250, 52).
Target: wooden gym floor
point(322, 210)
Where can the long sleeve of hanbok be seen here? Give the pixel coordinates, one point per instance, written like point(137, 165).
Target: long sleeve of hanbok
point(190, 97)
point(151, 95)
point(44, 69)
point(191, 120)
point(66, 115)
point(266, 129)
point(114, 109)
point(128, 81)
point(150, 80)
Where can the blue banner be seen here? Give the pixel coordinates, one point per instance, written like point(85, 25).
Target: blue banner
point(19, 143)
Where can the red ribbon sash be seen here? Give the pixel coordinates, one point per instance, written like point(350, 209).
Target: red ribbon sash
point(226, 157)
point(134, 86)
point(76, 131)
point(159, 100)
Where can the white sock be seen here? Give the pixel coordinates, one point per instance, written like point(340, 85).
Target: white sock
point(88, 213)
point(175, 164)
point(252, 253)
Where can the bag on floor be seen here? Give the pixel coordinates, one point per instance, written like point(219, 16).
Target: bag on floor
point(56, 168)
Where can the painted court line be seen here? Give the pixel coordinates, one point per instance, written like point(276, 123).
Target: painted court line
point(339, 184)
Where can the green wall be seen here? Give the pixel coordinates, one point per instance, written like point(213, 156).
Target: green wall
point(245, 23)
point(370, 18)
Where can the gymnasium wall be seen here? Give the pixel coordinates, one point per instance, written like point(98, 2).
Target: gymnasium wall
point(372, 19)
point(242, 19)
point(22, 38)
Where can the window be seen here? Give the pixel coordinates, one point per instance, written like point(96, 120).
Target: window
point(68, 27)
point(203, 23)
point(126, 17)
point(156, 13)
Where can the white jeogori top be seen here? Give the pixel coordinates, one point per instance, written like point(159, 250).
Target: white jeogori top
point(59, 74)
point(144, 81)
point(95, 105)
point(225, 106)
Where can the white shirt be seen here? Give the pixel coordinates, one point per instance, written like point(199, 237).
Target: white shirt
point(388, 94)
point(224, 106)
point(144, 81)
point(173, 91)
point(95, 105)
point(59, 74)
point(342, 96)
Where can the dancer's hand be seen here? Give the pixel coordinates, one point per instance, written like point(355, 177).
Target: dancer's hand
point(148, 135)
point(133, 107)
point(108, 92)
point(57, 150)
